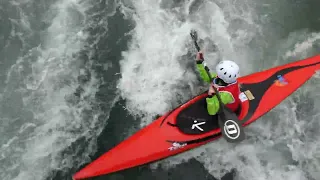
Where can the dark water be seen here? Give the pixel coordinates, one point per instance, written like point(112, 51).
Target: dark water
point(64, 99)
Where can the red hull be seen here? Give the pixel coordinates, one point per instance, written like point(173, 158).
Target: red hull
point(155, 141)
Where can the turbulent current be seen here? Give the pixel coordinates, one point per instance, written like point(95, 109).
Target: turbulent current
point(78, 77)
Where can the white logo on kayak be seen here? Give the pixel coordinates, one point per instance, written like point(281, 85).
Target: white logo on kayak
point(231, 129)
point(243, 97)
point(176, 145)
point(197, 125)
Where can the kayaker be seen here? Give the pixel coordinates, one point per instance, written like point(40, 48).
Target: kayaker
point(225, 80)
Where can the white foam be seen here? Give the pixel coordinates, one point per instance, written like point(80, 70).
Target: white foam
point(150, 70)
point(303, 48)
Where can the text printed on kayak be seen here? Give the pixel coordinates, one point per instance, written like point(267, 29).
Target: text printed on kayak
point(176, 145)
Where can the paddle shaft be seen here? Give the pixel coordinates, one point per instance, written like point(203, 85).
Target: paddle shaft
point(209, 75)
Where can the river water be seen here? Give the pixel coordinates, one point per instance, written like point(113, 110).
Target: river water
point(78, 77)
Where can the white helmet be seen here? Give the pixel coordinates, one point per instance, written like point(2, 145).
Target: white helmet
point(228, 71)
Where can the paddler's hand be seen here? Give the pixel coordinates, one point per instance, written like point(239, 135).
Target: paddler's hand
point(211, 90)
point(199, 57)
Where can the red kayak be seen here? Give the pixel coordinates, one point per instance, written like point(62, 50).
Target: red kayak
point(189, 125)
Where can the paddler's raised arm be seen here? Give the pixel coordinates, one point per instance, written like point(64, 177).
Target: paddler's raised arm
point(201, 65)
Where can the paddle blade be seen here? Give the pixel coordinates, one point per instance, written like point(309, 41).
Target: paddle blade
point(230, 126)
point(194, 35)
